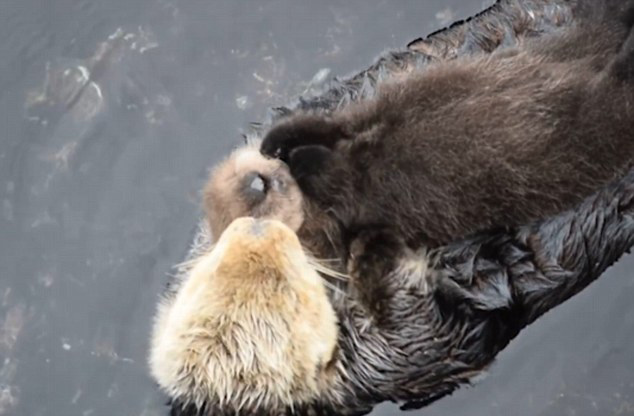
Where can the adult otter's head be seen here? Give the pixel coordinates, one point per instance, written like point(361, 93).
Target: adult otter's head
point(248, 184)
point(250, 328)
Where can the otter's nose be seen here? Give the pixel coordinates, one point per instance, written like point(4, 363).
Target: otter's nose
point(260, 234)
point(251, 227)
point(255, 187)
point(258, 227)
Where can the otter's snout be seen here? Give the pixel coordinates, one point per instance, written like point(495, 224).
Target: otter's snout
point(259, 248)
point(256, 185)
point(258, 228)
point(249, 228)
point(249, 185)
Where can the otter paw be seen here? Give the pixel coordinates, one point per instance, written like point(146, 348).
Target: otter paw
point(373, 252)
point(312, 168)
point(621, 10)
point(622, 66)
point(308, 161)
point(283, 138)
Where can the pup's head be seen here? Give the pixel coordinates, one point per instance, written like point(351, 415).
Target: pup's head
point(248, 184)
point(250, 328)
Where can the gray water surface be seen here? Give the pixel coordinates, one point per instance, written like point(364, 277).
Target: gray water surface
point(111, 112)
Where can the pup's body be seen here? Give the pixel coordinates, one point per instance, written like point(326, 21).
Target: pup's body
point(474, 143)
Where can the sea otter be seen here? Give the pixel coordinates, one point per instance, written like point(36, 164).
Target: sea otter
point(251, 328)
point(489, 140)
point(440, 321)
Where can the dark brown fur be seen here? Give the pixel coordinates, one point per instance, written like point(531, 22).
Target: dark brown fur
point(474, 143)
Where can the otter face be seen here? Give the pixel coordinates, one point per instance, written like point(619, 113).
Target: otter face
point(249, 184)
point(251, 327)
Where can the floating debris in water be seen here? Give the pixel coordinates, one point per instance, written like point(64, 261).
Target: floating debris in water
point(11, 327)
point(320, 77)
point(8, 399)
point(74, 85)
point(314, 85)
point(76, 396)
point(445, 16)
point(243, 102)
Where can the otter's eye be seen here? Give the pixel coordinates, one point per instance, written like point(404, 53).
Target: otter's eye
point(255, 187)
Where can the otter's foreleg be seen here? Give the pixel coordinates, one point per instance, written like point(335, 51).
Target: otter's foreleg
point(373, 255)
point(623, 65)
point(299, 131)
point(323, 176)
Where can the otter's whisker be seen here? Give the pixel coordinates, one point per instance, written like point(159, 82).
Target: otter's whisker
point(185, 264)
point(323, 269)
point(326, 260)
point(333, 288)
point(190, 262)
point(326, 232)
point(331, 273)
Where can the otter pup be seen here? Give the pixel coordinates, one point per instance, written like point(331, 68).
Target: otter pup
point(477, 142)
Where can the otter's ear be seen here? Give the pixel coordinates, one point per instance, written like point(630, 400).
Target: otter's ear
point(300, 131)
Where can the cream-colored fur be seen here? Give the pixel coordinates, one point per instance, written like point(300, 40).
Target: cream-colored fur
point(251, 325)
